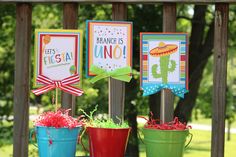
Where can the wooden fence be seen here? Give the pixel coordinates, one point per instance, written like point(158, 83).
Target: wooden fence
point(117, 88)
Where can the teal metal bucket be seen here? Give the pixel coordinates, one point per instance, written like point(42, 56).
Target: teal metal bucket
point(57, 142)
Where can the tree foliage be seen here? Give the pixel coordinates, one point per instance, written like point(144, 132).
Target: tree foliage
point(7, 59)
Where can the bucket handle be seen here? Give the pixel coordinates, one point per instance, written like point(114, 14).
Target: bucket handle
point(139, 136)
point(32, 132)
point(81, 140)
point(191, 137)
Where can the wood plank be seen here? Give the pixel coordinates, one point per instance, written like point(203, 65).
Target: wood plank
point(70, 16)
point(167, 106)
point(169, 17)
point(219, 79)
point(167, 98)
point(22, 80)
point(124, 1)
point(116, 87)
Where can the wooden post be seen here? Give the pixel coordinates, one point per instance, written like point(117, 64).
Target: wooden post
point(70, 14)
point(219, 79)
point(167, 98)
point(22, 80)
point(116, 87)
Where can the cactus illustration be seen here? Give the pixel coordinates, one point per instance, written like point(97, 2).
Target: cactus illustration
point(164, 68)
point(166, 65)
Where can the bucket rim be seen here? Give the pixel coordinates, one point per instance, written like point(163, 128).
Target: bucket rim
point(186, 130)
point(57, 128)
point(129, 128)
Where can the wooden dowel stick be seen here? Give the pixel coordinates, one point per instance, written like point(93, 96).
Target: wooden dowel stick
point(56, 99)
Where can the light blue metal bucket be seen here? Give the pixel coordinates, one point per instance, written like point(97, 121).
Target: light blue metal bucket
point(53, 142)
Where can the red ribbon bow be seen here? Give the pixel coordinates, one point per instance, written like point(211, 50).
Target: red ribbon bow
point(63, 85)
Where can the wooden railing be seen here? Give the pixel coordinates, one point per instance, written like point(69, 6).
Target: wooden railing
point(117, 88)
point(124, 1)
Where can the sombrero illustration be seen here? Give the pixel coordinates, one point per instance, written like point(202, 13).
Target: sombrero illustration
point(163, 50)
point(166, 65)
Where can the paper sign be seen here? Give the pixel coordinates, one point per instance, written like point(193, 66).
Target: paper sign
point(109, 45)
point(58, 54)
point(164, 62)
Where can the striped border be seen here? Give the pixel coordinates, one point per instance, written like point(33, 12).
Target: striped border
point(183, 50)
point(145, 48)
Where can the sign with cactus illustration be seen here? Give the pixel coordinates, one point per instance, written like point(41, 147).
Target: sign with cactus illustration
point(164, 62)
point(58, 54)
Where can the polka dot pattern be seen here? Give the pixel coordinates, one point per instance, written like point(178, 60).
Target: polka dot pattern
point(152, 89)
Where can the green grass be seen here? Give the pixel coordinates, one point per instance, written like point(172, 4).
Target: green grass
point(6, 151)
point(201, 144)
point(207, 121)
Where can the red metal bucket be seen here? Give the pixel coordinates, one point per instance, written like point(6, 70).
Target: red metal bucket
point(107, 142)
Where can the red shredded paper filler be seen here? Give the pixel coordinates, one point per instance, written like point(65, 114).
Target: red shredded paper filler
point(173, 125)
point(58, 119)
